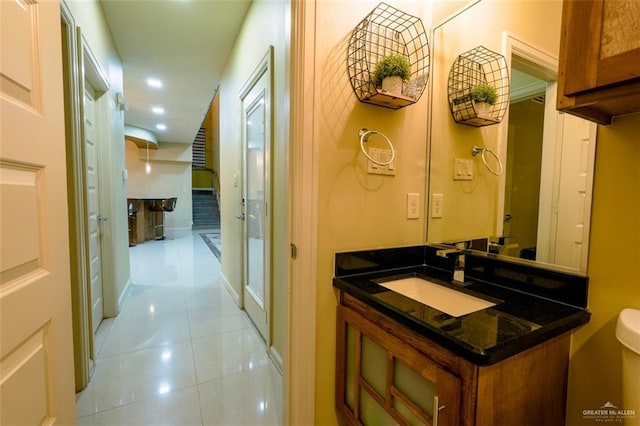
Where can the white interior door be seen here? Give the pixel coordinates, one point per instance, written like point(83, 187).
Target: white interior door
point(574, 197)
point(257, 192)
point(566, 185)
point(36, 353)
point(93, 205)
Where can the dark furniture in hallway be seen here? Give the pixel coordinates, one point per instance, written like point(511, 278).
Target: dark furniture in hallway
point(146, 218)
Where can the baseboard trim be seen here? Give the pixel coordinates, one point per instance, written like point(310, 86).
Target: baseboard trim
point(123, 295)
point(177, 232)
point(232, 292)
point(276, 358)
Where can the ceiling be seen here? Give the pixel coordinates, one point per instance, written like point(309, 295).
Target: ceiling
point(184, 44)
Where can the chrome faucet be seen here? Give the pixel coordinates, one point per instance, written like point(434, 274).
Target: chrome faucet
point(446, 252)
point(458, 265)
point(496, 244)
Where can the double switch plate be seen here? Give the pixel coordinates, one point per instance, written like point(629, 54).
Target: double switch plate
point(462, 169)
point(382, 156)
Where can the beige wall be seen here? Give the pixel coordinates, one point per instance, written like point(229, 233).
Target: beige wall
point(264, 25)
point(170, 177)
point(357, 210)
point(522, 169)
point(443, 9)
point(614, 270)
point(90, 18)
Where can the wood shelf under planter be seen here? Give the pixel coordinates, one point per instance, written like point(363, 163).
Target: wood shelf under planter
point(388, 99)
point(464, 111)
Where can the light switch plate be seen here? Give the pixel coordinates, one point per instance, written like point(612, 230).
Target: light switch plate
point(462, 169)
point(381, 155)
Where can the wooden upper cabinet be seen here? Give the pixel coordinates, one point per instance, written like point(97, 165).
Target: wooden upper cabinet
point(599, 75)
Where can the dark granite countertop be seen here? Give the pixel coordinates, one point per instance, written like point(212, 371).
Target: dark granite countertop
point(517, 321)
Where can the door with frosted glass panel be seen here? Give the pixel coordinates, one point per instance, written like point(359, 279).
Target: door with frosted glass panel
point(256, 194)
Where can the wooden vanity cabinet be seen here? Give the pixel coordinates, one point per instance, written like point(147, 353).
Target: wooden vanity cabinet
point(387, 374)
point(599, 64)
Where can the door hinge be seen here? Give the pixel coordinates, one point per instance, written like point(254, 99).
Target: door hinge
point(294, 251)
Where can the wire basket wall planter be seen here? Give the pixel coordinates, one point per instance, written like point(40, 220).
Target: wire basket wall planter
point(478, 87)
point(386, 31)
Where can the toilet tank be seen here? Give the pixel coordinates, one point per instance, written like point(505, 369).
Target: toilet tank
point(628, 334)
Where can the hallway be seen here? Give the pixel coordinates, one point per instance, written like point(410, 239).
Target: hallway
point(180, 352)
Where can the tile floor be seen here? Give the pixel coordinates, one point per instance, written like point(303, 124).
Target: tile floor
point(212, 238)
point(180, 352)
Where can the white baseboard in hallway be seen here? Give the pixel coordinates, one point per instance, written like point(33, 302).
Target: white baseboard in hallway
point(232, 292)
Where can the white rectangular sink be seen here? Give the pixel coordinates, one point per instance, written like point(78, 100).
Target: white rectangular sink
point(444, 299)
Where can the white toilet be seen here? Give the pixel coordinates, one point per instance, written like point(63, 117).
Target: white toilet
point(628, 333)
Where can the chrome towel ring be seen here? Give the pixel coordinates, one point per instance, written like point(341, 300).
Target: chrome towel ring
point(364, 138)
point(482, 151)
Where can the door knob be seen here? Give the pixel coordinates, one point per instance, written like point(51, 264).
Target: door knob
point(240, 217)
point(101, 218)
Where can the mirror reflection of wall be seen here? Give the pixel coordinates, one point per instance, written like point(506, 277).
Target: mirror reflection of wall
point(541, 204)
point(524, 158)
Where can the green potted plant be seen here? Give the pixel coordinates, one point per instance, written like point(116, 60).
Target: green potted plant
point(484, 95)
point(391, 72)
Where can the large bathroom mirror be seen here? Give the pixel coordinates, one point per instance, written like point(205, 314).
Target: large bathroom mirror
point(538, 208)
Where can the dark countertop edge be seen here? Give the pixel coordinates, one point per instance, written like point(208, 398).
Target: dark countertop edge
point(478, 357)
point(542, 280)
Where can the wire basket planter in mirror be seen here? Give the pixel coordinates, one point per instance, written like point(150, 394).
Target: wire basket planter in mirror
point(478, 87)
point(388, 43)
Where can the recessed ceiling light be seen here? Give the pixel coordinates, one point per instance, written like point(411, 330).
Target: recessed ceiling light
point(161, 127)
point(157, 110)
point(154, 82)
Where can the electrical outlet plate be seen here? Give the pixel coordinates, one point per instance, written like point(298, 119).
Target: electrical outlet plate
point(413, 205)
point(436, 205)
point(381, 155)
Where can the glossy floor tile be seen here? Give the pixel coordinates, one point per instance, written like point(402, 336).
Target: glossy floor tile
point(180, 352)
point(213, 240)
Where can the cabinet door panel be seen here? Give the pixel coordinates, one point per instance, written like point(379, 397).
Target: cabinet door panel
point(350, 374)
point(414, 387)
point(617, 69)
point(581, 21)
point(608, 35)
point(405, 412)
point(382, 380)
point(372, 413)
point(374, 365)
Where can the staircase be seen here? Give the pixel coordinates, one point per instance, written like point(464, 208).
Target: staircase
point(206, 211)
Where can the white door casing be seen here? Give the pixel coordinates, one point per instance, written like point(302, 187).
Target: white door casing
point(36, 358)
point(300, 368)
point(257, 115)
point(94, 219)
